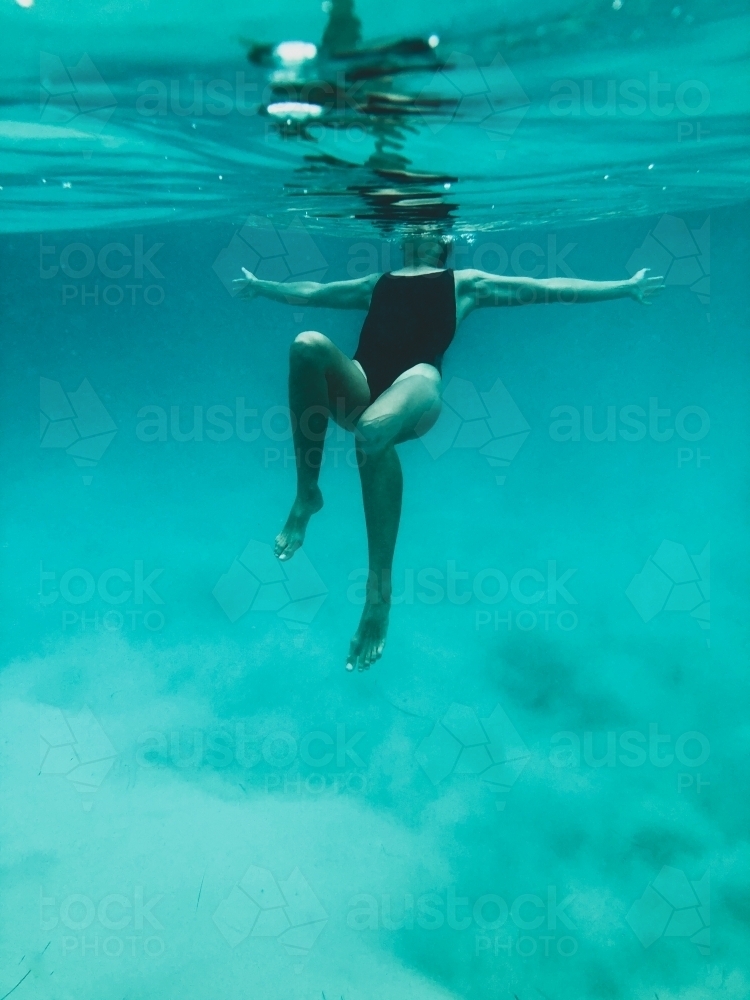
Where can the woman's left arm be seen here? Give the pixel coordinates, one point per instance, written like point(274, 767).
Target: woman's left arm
point(476, 289)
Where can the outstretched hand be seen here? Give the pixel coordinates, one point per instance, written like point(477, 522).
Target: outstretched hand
point(247, 287)
point(644, 288)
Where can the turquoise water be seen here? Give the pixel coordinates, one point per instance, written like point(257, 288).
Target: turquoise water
point(539, 791)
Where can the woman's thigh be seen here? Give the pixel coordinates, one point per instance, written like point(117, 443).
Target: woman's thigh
point(348, 391)
point(406, 410)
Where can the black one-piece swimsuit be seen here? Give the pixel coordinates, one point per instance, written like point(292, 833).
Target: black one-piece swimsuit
point(411, 320)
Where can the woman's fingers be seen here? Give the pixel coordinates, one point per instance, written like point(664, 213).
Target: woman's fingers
point(243, 286)
point(647, 287)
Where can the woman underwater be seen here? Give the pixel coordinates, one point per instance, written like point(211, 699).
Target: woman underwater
point(390, 391)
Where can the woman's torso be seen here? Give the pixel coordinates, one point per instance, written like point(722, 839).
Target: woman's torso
point(411, 320)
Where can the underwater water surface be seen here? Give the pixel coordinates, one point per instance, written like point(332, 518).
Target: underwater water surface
point(540, 790)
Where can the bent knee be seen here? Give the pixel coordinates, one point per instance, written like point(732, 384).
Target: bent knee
point(424, 369)
point(431, 399)
point(310, 344)
point(373, 433)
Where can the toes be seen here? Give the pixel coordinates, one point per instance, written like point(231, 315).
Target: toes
point(365, 649)
point(353, 657)
point(286, 547)
point(360, 656)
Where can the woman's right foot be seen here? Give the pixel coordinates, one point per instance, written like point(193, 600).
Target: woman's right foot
point(292, 534)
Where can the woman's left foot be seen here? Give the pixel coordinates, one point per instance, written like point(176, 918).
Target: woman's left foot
point(369, 639)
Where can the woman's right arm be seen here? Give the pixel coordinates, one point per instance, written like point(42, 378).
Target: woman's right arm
point(355, 294)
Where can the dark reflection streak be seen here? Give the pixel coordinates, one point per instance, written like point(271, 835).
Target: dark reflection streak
point(355, 86)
